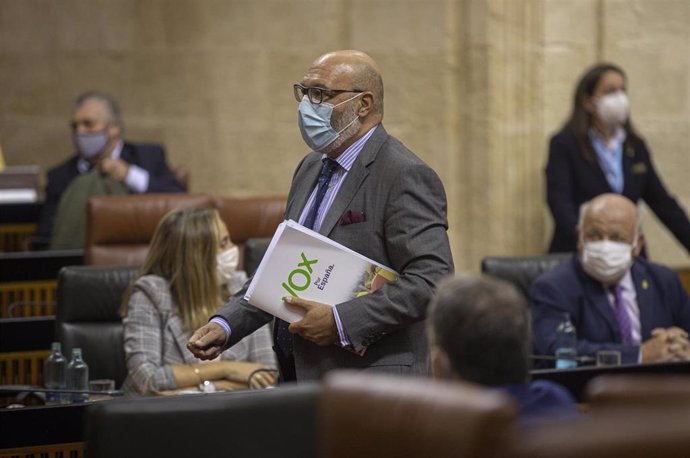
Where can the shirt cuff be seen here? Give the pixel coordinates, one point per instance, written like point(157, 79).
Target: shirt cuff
point(223, 324)
point(137, 179)
point(341, 333)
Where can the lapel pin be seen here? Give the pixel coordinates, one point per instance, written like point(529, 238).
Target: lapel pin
point(645, 284)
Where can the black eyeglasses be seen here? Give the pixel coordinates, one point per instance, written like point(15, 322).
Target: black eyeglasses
point(316, 94)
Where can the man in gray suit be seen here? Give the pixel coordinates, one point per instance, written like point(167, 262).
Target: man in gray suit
point(364, 189)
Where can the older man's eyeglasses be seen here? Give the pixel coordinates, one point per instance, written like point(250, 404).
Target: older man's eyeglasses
point(317, 95)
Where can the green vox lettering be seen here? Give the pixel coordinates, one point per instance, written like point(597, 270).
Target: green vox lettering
point(299, 279)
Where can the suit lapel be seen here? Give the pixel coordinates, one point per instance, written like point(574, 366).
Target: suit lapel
point(597, 300)
point(628, 177)
point(347, 191)
point(354, 179)
point(645, 298)
point(305, 182)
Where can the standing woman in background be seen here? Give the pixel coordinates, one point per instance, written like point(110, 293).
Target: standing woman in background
point(189, 272)
point(598, 151)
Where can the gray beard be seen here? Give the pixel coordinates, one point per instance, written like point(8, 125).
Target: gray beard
point(340, 122)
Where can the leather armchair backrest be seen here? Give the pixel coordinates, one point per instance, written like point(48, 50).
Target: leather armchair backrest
point(254, 250)
point(244, 424)
point(251, 217)
point(119, 228)
point(88, 317)
point(390, 416)
point(630, 431)
point(522, 270)
point(639, 389)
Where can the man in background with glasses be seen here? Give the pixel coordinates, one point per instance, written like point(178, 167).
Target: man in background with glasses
point(364, 189)
point(97, 132)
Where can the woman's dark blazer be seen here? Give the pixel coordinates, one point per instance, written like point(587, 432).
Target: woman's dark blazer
point(572, 180)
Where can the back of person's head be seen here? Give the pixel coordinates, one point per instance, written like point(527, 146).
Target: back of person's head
point(479, 330)
point(183, 250)
point(111, 109)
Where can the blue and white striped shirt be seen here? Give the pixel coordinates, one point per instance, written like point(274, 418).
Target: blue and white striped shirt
point(345, 160)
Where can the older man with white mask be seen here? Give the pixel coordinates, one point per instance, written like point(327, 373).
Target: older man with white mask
point(615, 299)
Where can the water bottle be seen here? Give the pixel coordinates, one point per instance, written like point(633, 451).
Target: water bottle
point(566, 344)
point(54, 373)
point(78, 377)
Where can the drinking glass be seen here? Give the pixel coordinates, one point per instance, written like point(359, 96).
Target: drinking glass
point(104, 386)
point(608, 358)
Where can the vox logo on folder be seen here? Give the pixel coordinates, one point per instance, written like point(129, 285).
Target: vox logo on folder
point(304, 263)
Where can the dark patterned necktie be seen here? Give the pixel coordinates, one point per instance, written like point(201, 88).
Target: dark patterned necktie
point(622, 316)
point(282, 337)
point(329, 166)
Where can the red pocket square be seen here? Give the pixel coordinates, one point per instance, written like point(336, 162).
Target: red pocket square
point(352, 217)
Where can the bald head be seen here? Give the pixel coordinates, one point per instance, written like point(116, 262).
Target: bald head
point(351, 69)
point(348, 56)
point(610, 217)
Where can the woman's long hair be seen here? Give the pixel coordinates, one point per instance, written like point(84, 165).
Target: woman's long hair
point(580, 121)
point(183, 251)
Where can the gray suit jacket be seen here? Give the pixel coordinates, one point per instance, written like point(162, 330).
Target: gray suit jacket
point(404, 207)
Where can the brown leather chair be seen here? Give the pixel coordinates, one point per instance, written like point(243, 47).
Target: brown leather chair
point(630, 432)
point(631, 416)
point(365, 414)
point(627, 390)
point(252, 217)
point(119, 228)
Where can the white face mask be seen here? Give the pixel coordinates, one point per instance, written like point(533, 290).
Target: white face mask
point(607, 261)
point(226, 264)
point(613, 108)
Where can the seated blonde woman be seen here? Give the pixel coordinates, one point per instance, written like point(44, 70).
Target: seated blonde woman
point(190, 270)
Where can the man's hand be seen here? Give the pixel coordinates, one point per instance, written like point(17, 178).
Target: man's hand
point(207, 341)
point(665, 345)
point(116, 168)
point(318, 324)
point(678, 342)
point(655, 349)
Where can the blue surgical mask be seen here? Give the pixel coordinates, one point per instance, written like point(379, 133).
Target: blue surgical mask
point(315, 123)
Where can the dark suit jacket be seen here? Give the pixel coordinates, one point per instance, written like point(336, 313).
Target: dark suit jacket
point(572, 180)
point(404, 207)
point(541, 400)
point(147, 156)
point(568, 289)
